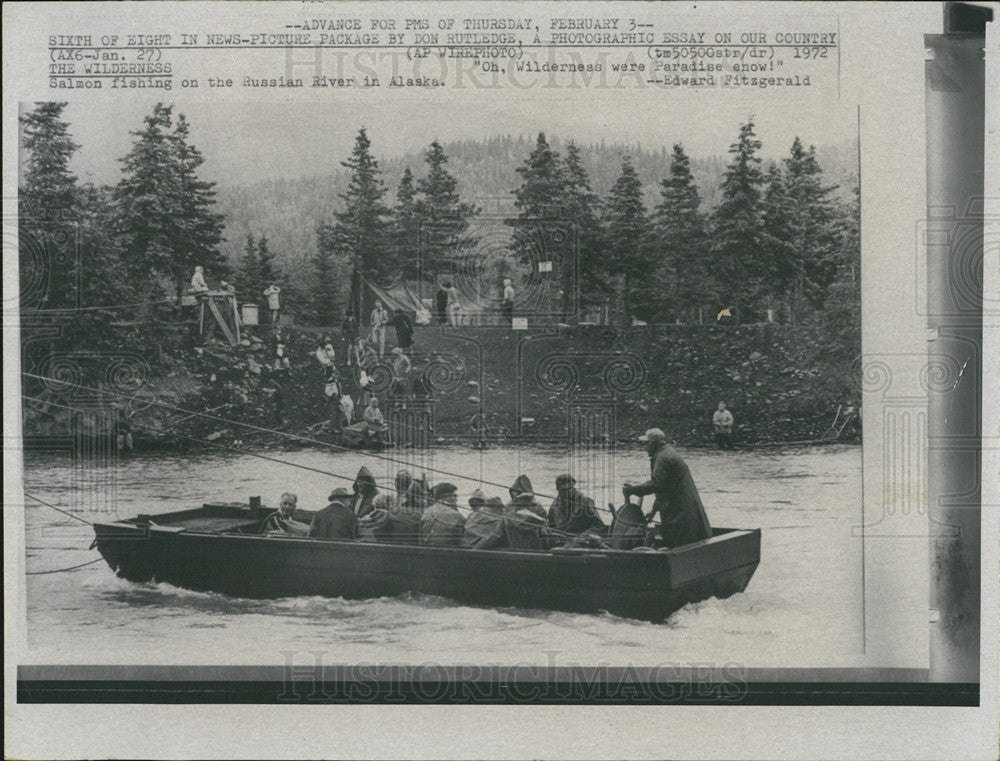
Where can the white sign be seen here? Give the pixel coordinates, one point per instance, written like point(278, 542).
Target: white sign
point(519, 323)
point(545, 266)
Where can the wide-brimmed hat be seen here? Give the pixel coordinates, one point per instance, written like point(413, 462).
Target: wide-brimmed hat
point(339, 494)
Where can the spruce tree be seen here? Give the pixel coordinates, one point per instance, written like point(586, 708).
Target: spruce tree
point(582, 207)
point(542, 228)
point(680, 246)
point(442, 216)
point(360, 232)
point(736, 225)
point(815, 228)
point(779, 263)
point(166, 215)
point(328, 287)
point(248, 275)
point(265, 259)
point(147, 197)
point(48, 209)
point(406, 228)
point(625, 220)
point(198, 227)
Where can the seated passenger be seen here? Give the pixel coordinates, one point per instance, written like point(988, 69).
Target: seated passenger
point(484, 529)
point(442, 525)
point(281, 523)
point(525, 519)
point(335, 521)
point(364, 493)
point(572, 512)
point(477, 499)
point(522, 497)
point(386, 501)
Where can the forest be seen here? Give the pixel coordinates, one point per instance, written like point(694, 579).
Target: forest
point(655, 236)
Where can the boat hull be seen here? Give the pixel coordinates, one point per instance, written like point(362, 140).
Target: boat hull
point(644, 585)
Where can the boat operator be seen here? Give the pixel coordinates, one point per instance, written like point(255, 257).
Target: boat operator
point(281, 523)
point(676, 499)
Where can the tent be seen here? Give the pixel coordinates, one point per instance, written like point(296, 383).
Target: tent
point(400, 297)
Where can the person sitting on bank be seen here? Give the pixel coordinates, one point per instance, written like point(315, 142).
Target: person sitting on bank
point(722, 421)
point(365, 492)
point(682, 515)
point(336, 520)
point(281, 523)
point(198, 284)
point(441, 525)
point(571, 511)
point(374, 421)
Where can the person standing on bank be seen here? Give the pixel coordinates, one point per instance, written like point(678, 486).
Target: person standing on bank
point(722, 421)
point(441, 304)
point(682, 515)
point(380, 318)
point(404, 329)
point(273, 302)
point(507, 307)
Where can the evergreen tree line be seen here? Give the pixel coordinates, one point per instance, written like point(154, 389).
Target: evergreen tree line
point(779, 245)
point(113, 252)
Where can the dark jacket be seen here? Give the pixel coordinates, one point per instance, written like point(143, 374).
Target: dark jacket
point(364, 493)
point(522, 497)
point(404, 329)
point(574, 513)
point(676, 498)
point(441, 525)
point(335, 521)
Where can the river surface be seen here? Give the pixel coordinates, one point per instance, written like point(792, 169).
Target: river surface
point(803, 607)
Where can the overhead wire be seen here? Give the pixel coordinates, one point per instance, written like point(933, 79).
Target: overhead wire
point(292, 436)
point(240, 450)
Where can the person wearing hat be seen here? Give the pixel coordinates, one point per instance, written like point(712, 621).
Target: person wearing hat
point(477, 499)
point(522, 497)
point(676, 497)
point(441, 525)
point(336, 520)
point(365, 492)
point(389, 502)
point(281, 523)
point(571, 511)
point(485, 529)
point(525, 519)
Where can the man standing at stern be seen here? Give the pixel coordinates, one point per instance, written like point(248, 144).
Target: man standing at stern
point(676, 497)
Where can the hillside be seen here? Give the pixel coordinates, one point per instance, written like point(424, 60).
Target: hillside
point(289, 211)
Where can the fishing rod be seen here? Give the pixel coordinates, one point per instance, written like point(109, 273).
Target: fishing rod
point(293, 436)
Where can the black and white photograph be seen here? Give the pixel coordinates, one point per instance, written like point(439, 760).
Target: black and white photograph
point(618, 382)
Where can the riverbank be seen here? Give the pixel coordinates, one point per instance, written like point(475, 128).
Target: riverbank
point(581, 384)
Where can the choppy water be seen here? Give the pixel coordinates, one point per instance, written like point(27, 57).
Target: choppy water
point(803, 606)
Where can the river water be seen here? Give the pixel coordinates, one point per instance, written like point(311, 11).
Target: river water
point(803, 607)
